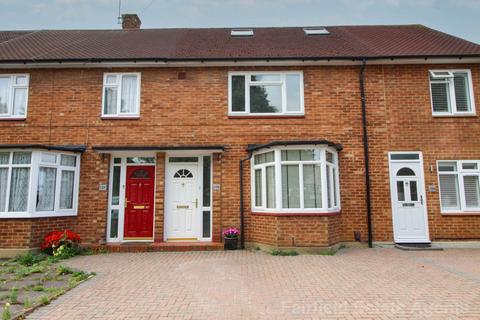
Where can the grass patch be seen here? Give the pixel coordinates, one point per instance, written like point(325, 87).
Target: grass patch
point(26, 302)
point(29, 259)
point(38, 288)
point(62, 270)
point(328, 253)
point(32, 274)
point(13, 296)
point(6, 314)
point(44, 300)
point(283, 253)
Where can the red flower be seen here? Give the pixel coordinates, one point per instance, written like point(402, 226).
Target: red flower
point(55, 239)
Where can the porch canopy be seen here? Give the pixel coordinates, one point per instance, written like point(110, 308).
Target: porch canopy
point(210, 148)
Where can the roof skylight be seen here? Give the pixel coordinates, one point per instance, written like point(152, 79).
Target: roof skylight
point(315, 31)
point(241, 33)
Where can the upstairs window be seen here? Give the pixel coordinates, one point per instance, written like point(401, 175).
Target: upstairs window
point(13, 96)
point(459, 186)
point(121, 95)
point(451, 92)
point(266, 93)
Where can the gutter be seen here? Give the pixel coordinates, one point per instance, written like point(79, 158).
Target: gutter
point(164, 60)
point(236, 61)
point(242, 210)
point(365, 150)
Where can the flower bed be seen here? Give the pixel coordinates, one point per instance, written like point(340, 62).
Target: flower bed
point(32, 280)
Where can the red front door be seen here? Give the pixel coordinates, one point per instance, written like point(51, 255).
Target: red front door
point(139, 196)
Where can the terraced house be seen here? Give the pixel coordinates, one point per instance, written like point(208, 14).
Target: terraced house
point(301, 137)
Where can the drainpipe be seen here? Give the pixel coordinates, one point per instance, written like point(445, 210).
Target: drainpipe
point(242, 211)
point(365, 150)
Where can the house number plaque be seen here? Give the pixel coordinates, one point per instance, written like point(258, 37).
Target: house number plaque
point(102, 187)
point(216, 187)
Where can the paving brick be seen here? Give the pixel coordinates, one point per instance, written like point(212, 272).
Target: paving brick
point(354, 284)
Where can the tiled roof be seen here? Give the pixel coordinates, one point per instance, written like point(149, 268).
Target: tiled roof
point(343, 42)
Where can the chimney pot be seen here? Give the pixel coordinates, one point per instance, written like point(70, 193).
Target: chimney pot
point(131, 21)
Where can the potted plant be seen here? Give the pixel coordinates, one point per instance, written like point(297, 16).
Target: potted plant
point(231, 238)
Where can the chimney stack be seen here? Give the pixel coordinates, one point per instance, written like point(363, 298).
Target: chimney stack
point(130, 21)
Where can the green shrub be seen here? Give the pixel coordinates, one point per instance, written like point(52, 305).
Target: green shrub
point(284, 253)
point(62, 270)
point(29, 259)
point(65, 252)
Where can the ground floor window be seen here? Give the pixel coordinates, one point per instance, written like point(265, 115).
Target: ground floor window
point(38, 183)
point(295, 179)
point(459, 185)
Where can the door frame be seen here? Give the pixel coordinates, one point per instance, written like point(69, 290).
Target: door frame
point(121, 203)
point(392, 201)
point(201, 207)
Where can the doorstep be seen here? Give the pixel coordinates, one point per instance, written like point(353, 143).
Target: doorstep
point(159, 246)
point(417, 247)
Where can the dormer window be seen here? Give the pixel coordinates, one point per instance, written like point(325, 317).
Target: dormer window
point(241, 32)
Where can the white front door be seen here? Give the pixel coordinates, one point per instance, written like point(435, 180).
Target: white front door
point(181, 202)
point(410, 222)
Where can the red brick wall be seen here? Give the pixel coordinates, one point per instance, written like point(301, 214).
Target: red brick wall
point(29, 233)
point(400, 119)
point(159, 197)
point(65, 108)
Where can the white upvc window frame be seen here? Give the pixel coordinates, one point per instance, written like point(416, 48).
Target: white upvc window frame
point(278, 162)
point(460, 173)
point(452, 102)
point(282, 83)
point(118, 84)
point(11, 94)
point(35, 164)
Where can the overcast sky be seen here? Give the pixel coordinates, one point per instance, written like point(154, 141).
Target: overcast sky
point(457, 17)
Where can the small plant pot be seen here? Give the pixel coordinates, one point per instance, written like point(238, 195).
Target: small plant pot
point(231, 243)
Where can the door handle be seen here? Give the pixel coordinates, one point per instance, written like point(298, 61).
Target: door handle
point(421, 200)
point(182, 207)
point(196, 203)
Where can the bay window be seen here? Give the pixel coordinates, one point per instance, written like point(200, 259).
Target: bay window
point(266, 93)
point(121, 95)
point(459, 186)
point(295, 179)
point(38, 184)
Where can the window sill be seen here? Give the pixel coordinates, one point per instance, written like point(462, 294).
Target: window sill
point(296, 214)
point(26, 215)
point(461, 213)
point(120, 118)
point(13, 119)
point(450, 115)
point(286, 116)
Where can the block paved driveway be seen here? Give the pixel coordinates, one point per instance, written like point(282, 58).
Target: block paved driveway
point(354, 284)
